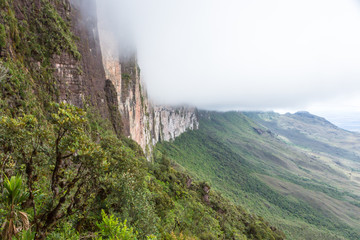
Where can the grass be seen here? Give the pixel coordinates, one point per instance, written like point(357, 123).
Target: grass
point(254, 167)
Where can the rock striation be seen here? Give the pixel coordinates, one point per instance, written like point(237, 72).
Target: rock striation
point(96, 76)
point(170, 122)
point(82, 82)
point(112, 84)
point(142, 121)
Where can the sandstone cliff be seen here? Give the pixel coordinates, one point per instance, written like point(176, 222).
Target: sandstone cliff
point(141, 120)
point(112, 84)
point(83, 81)
point(170, 122)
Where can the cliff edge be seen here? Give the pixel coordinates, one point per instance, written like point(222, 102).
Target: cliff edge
point(141, 120)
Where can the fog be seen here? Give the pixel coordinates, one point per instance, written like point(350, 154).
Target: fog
point(242, 55)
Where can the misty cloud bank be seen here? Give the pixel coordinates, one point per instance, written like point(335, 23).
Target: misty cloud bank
point(237, 54)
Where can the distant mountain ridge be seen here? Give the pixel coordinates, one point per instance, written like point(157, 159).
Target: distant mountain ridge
point(299, 171)
point(316, 119)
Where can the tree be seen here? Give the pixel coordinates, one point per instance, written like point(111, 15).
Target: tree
point(76, 166)
point(58, 158)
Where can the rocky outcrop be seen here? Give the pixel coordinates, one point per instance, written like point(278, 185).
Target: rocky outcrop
point(141, 120)
point(170, 122)
point(80, 69)
point(112, 84)
point(82, 82)
point(113, 104)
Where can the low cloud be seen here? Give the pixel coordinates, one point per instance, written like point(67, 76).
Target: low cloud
point(237, 54)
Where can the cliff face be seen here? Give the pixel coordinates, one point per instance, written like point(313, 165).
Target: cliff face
point(141, 120)
point(59, 44)
point(83, 81)
point(112, 85)
point(170, 122)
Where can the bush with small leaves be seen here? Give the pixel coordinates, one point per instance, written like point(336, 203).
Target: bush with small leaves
point(111, 228)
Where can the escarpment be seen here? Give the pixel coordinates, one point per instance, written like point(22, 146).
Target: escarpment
point(113, 85)
point(82, 81)
point(64, 42)
point(57, 45)
point(173, 121)
point(142, 121)
point(60, 100)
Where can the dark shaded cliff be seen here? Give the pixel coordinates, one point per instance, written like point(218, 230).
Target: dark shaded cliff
point(58, 37)
point(75, 60)
point(82, 81)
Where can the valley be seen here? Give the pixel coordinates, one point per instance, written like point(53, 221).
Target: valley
point(296, 170)
point(87, 154)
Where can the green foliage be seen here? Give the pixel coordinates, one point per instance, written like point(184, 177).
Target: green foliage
point(41, 34)
point(15, 220)
point(13, 191)
point(227, 152)
point(2, 36)
point(30, 44)
point(112, 229)
point(64, 231)
point(126, 77)
point(195, 212)
point(71, 160)
point(125, 184)
point(72, 163)
point(54, 33)
point(63, 154)
point(15, 89)
point(28, 235)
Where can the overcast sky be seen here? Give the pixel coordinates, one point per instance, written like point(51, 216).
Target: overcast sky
point(283, 55)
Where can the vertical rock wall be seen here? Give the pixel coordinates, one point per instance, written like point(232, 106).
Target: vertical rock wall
point(83, 81)
point(101, 80)
point(141, 121)
point(173, 121)
point(114, 86)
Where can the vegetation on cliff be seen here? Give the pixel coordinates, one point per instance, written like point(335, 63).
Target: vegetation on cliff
point(65, 173)
point(73, 168)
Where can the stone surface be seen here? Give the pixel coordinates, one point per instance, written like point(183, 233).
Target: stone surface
point(82, 82)
point(142, 121)
point(170, 122)
point(113, 85)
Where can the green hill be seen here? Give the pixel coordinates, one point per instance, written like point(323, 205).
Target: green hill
point(66, 171)
point(298, 171)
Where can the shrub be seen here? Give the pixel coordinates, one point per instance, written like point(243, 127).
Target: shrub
point(111, 228)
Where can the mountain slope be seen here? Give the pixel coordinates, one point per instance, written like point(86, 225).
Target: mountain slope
point(73, 175)
point(327, 144)
point(268, 166)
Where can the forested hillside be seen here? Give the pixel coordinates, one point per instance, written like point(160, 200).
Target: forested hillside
point(297, 171)
point(66, 170)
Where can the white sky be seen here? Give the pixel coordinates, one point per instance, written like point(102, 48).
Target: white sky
point(245, 55)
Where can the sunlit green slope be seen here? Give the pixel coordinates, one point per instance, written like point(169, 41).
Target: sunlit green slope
point(298, 171)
